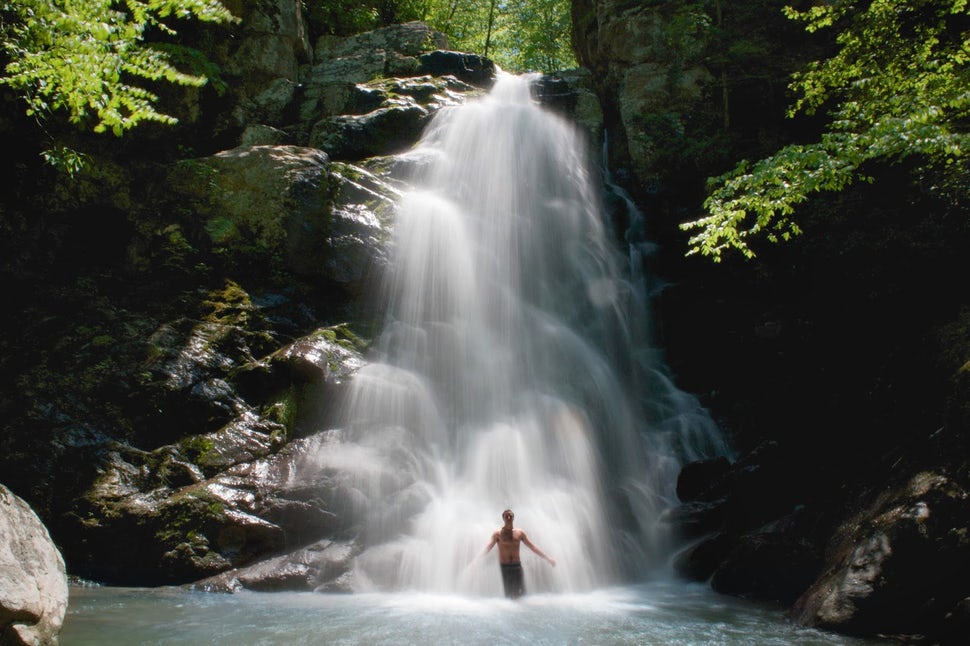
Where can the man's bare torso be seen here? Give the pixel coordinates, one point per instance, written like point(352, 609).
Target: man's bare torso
point(508, 541)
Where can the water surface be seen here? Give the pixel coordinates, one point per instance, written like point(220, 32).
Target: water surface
point(659, 613)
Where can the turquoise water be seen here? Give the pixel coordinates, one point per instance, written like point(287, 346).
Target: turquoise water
point(663, 613)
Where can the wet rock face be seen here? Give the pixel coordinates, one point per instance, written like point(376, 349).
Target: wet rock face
point(746, 527)
point(152, 519)
point(223, 499)
point(371, 94)
point(899, 567)
point(291, 207)
point(323, 566)
point(33, 580)
point(226, 531)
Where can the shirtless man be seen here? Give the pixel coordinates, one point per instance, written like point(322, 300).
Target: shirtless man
point(508, 539)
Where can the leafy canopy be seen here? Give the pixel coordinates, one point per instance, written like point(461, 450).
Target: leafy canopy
point(899, 85)
point(519, 35)
point(537, 36)
point(87, 58)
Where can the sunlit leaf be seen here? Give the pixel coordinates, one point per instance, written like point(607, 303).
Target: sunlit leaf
point(898, 84)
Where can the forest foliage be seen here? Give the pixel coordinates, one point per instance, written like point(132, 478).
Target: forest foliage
point(89, 60)
point(897, 87)
point(519, 35)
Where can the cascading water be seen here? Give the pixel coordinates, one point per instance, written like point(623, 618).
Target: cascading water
point(513, 371)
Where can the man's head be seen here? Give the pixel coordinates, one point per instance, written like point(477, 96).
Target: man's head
point(507, 515)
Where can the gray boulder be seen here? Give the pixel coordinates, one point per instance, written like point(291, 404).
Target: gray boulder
point(33, 579)
point(323, 566)
point(898, 567)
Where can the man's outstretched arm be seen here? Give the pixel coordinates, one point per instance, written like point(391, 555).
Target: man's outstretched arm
point(491, 544)
point(529, 544)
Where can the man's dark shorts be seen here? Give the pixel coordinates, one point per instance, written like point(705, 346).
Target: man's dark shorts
point(513, 580)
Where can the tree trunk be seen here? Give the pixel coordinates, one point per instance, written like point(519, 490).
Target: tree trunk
point(491, 23)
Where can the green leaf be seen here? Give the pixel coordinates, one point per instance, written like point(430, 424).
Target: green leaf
point(72, 56)
point(896, 87)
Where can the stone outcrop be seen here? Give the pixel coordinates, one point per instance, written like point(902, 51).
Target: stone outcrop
point(298, 191)
point(323, 566)
point(896, 565)
point(647, 60)
point(283, 205)
point(33, 580)
point(372, 94)
point(746, 527)
point(402, 108)
point(222, 499)
point(899, 567)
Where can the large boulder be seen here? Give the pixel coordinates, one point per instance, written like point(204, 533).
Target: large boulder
point(323, 566)
point(408, 39)
point(33, 579)
point(270, 200)
point(397, 111)
point(281, 205)
point(746, 524)
point(898, 567)
point(365, 75)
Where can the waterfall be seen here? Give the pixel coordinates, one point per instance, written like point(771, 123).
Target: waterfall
point(513, 371)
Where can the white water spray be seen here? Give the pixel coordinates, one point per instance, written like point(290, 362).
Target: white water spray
point(513, 371)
